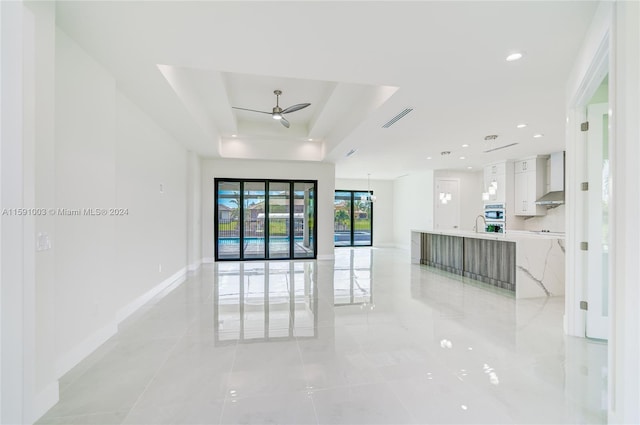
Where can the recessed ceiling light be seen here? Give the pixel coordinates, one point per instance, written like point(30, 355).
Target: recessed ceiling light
point(537, 136)
point(514, 56)
point(310, 140)
point(462, 157)
point(522, 125)
point(428, 157)
point(234, 135)
point(465, 146)
point(469, 168)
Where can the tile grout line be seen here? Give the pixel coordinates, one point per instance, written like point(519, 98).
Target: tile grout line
point(155, 375)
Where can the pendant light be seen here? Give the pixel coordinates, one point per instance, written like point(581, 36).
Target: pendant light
point(369, 197)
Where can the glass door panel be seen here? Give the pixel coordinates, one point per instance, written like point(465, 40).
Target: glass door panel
point(304, 225)
point(342, 218)
point(353, 218)
point(361, 219)
point(598, 221)
point(228, 220)
point(254, 220)
point(279, 220)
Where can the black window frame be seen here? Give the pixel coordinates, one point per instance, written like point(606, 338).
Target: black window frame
point(241, 256)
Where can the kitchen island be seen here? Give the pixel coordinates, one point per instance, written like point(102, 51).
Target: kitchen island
point(530, 264)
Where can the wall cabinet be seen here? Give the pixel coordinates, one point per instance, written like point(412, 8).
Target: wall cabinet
point(529, 185)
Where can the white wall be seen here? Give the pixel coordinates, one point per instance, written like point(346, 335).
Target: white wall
point(194, 211)
point(153, 234)
point(109, 154)
point(324, 173)
point(471, 204)
point(46, 388)
point(382, 208)
point(413, 206)
point(85, 156)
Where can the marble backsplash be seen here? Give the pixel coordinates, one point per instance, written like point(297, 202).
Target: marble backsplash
point(554, 221)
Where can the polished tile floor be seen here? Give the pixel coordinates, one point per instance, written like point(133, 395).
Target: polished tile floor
point(367, 339)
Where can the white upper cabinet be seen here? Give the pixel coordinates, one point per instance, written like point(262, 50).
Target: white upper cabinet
point(529, 185)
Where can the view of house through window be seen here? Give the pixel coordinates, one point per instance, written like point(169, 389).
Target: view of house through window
point(353, 215)
point(265, 219)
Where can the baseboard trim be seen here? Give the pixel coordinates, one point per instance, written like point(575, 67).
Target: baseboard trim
point(166, 285)
point(74, 356)
point(194, 266)
point(45, 400)
point(96, 339)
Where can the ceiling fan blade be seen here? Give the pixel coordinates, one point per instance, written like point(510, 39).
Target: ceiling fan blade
point(295, 108)
point(284, 122)
point(251, 110)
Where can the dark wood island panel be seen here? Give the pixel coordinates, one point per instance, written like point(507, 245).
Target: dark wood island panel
point(487, 260)
point(491, 261)
point(443, 252)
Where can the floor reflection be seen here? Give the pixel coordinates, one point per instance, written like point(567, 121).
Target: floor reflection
point(265, 301)
point(352, 278)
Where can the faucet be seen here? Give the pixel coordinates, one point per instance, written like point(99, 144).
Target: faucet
point(475, 227)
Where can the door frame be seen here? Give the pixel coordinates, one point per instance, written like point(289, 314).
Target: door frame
point(266, 257)
point(436, 200)
point(352, 220)
point(575, 286)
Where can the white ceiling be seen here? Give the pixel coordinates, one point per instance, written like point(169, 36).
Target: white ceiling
point(358, 64)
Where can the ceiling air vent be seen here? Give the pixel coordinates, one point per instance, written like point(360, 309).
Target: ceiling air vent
point(351, 152)
point(500, 147)
point(397, 118)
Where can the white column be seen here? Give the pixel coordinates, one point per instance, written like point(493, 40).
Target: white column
point(16, 191)
point(624, 344)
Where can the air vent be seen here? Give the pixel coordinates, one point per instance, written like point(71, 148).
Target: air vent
point(397, 118)
point(500, 147)
point(351, 152)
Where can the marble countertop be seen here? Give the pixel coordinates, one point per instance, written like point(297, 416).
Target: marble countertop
point(510, 235)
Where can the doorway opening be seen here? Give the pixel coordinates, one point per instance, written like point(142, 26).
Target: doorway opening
point(353, 218)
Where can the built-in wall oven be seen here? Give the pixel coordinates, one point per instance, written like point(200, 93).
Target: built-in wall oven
point(495, 217)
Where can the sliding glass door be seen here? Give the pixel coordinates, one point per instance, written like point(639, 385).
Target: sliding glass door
point(265, 219)
point(353, 218)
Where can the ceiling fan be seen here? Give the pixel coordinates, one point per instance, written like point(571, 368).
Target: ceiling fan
point(278, 113)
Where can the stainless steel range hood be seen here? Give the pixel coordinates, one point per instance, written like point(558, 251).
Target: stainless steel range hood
point(555, 196)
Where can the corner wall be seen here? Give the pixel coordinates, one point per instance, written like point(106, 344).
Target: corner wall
point(412, 206)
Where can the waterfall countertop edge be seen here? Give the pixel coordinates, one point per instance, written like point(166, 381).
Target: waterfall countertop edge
point(509, 236)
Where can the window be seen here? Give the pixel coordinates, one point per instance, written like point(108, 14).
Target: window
point(265, 219)
point(353, 218)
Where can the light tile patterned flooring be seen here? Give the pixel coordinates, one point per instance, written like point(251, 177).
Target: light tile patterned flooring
point(369, 339)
